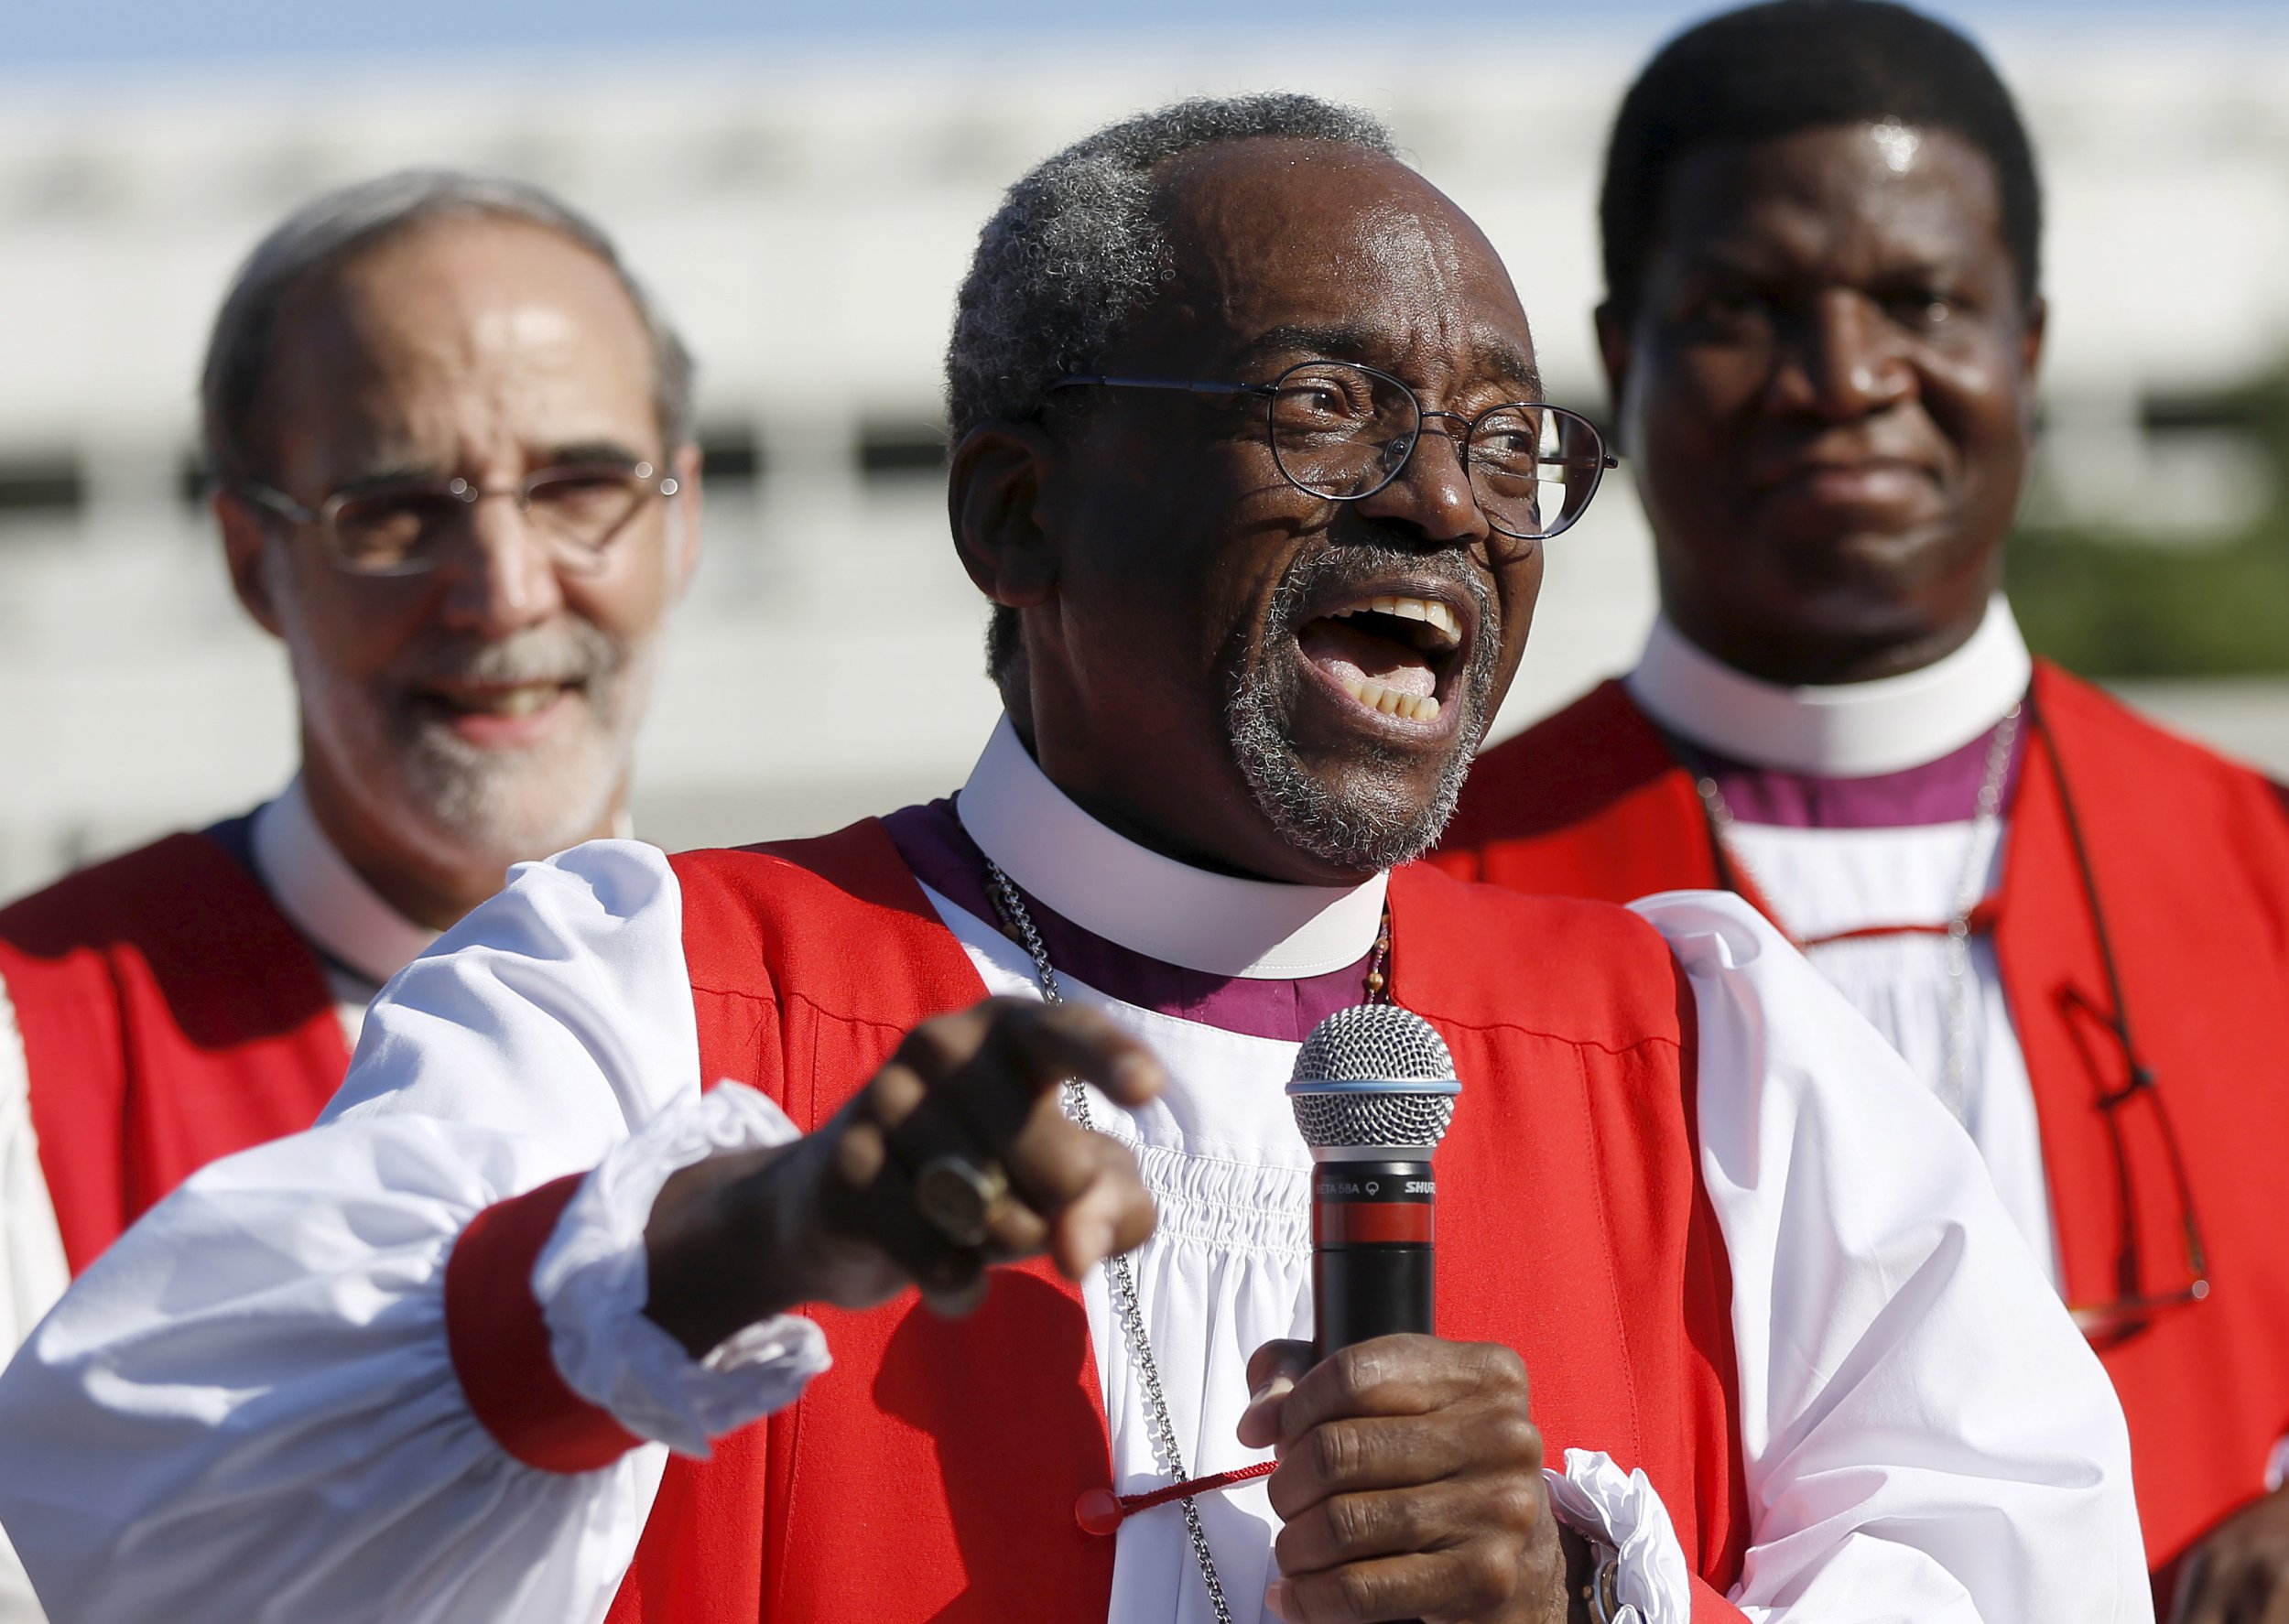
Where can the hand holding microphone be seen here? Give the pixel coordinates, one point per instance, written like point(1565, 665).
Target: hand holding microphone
point(1410, 1476)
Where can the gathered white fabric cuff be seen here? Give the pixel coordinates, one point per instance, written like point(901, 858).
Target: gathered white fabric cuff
point(2277, 1468)
point(1595, 1497)
point(592, 1285)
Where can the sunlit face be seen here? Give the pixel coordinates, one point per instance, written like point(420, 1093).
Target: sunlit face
point(1827, 394)
point(484, 711)
point(1289, 684)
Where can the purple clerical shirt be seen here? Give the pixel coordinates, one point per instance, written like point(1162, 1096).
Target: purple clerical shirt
point(1945, 790)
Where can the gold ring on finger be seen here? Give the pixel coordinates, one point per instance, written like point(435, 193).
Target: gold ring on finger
point(955, 1196)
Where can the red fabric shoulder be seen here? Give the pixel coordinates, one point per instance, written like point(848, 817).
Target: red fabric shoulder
point(1468, 954)
point(170, 1015)
point(1589, 802)
point(2112, 751)
point(205, 927)
point(840, 916)
point(1567, 767)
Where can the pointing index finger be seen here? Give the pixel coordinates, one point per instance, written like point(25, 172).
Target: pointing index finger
point(1046, 1044)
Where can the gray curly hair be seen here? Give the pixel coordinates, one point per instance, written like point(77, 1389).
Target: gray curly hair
point(1073, 254)
point(327, 233)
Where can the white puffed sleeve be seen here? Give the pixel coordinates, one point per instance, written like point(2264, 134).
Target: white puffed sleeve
point(247, 1409)
point(1925, 1435)
point(32, 1268)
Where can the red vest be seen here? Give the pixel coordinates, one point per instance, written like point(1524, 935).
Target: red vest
point(170, 1015)
point(2190, 857)
point(931, 1474)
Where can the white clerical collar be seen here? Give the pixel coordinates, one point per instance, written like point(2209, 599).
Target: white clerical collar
point(326, 899)
point(1850, 730)
point(1150, 904)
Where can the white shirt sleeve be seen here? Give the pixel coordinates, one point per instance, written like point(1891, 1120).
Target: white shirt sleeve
point(1925, 1436)
point(247, 1409)
point(33, 1273)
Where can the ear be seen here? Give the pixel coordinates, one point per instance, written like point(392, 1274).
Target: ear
point(2038, 318)
point(993, 494)
point(245, 541)
point(685, 520)
point(1614, 350)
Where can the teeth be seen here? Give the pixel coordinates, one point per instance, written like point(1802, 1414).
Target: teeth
point(1391, 701)
point(514, 701)
point(1429, 610)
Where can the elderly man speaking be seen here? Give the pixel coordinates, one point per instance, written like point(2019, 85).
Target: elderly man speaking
point(1252, 457)
point(454, 476)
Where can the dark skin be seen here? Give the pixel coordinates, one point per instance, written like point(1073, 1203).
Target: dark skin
point(1141, 538)
point(1826, 388)
point(1142, 535)
point(1827, 393)
point(2239, 1573)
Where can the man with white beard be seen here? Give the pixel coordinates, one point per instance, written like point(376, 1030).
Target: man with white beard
point(454, 475)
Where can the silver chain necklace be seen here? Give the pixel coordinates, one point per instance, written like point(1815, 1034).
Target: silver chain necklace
point(1969, 887)
point(1117, 1273)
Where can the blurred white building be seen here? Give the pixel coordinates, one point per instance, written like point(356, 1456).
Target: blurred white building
point(806, 222)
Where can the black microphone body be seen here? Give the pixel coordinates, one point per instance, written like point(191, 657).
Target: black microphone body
point(1371, 1259)
point(1373, 1091)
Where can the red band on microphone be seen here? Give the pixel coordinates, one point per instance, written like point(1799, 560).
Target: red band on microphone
point(1371, 1223)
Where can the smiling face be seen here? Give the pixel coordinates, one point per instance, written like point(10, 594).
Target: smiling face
point(1221, 665)
point(484, 710)
point(1827, 394)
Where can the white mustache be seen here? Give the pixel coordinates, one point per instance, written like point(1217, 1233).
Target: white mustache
point(577, 652)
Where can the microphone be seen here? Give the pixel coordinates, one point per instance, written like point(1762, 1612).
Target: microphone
point(1373, 1090)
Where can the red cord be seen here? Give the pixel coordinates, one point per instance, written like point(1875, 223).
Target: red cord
point(1099, 1510)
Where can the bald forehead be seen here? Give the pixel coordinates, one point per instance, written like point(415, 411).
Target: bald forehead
point(1269, 233)
point(396, 290)
point(400, 353)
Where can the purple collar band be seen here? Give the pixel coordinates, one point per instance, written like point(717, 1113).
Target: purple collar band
point(1941, 791)
point(944, 858)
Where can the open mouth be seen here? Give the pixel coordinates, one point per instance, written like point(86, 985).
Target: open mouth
point(1391, 653)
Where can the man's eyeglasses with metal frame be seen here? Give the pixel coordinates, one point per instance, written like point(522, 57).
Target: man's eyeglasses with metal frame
point(1342, 430)
point(401, 528)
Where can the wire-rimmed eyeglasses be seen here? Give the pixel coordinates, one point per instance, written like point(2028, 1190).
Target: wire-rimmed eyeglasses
point(401, 528)
point(2136, 1302)
point(1342, 431)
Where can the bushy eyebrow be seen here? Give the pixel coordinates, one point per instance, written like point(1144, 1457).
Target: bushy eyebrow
point(1336, 343)
point(589, 450)
point(375, 476)
point(1489, 358)
point(1748, 260)
point(1496, 360)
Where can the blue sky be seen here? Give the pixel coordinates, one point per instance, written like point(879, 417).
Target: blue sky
point(95, 33)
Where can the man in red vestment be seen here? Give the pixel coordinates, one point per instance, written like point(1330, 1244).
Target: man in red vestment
point(441, 421)
point(1822, 327)
point(1250, 457)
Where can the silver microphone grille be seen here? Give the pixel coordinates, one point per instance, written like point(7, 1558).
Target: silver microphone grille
point(1374, 1075)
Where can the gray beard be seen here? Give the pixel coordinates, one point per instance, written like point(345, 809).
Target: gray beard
point(459, 808)
point(1380, 824)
